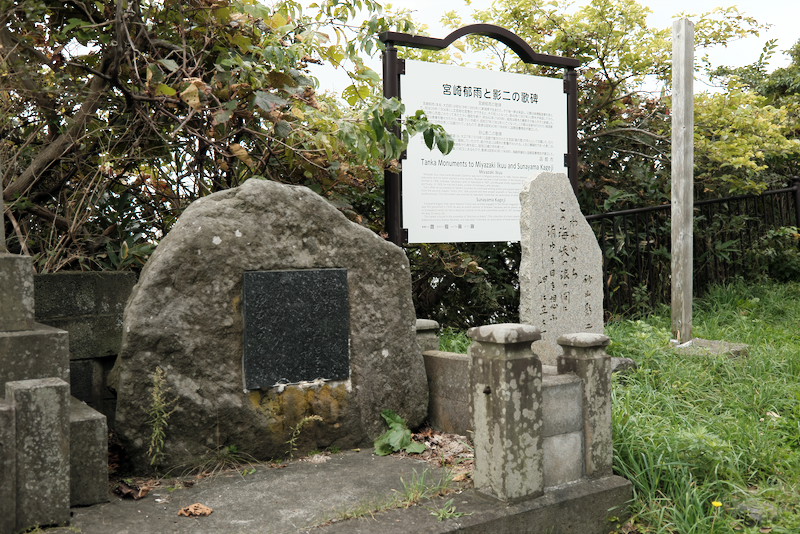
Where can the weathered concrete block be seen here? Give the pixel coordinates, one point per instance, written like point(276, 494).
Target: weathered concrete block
point(16, 292)
point(87, 305)
point(584, 355)
point(448, 386)
point(427, 334)
point(42, 450)
point(506, 400)
point(40, 352)
point(563, 458)
point(88, 455)
point(562, 402)
point(8, 471)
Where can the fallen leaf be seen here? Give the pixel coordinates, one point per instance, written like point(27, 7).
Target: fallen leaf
point(195, 510)
point(131, 491)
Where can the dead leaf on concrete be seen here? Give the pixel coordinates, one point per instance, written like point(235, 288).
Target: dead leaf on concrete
point(195, 510)
point(132, 491)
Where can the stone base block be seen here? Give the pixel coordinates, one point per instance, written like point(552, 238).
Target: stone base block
point(88, 458)
point(563, 458)
point(40, 352)
point(448, 386)
point(562, 400)
point(42, 451)
point(8, 472)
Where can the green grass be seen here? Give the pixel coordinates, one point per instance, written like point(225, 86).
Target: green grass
point(453, 340)
point(421, 487)
point(690, 430)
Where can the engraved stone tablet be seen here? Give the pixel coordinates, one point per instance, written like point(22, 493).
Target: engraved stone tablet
point(561, 272)
point(296, 326)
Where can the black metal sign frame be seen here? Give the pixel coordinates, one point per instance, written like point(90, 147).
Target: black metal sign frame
point(393, 67)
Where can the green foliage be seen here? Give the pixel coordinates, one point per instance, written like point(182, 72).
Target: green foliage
point(692, 430)
point(114, 118)
point(737, 136)
point(424, 486)
point(220, 459)
point(453, 340)
point(397, 438)
point(297, 430)
point(421, 486)
point(447, 511)
point(161, 408)
point(779, 254)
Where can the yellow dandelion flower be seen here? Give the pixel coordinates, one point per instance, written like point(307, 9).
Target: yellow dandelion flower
point(716, 504)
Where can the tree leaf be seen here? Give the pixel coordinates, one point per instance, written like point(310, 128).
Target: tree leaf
point(241, 153)
point(280, 80)
point(268, 101)
point(283, 129)
point(416, 447)
point(169, 64)
point(191, 95)
point(166, 90)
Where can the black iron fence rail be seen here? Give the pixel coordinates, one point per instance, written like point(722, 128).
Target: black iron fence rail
point(727, 235)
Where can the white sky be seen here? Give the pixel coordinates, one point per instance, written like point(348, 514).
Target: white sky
point(782, 16)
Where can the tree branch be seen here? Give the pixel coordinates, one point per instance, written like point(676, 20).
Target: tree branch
point(61, 144)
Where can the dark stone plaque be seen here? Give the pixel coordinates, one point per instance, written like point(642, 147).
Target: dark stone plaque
point(296, 326)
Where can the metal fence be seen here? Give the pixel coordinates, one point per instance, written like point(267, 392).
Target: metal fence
point(727, 235)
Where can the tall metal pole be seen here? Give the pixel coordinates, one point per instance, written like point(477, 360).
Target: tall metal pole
point(571, 84)
point(682, 178)
point(796, 184)
point(392, 187)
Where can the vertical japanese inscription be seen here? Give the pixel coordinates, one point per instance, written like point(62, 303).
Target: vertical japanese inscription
point(562, 288)
point(561, 269)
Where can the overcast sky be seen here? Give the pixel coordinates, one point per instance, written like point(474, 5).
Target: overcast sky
point(782, 15)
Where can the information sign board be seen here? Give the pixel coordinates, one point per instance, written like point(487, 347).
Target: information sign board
point(507, 128)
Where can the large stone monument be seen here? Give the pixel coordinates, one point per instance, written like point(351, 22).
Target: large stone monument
point(561, 272)
point(265, 306)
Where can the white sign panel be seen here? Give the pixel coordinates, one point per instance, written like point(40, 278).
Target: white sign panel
point(507, 128)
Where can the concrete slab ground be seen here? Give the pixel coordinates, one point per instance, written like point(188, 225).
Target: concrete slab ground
point(302, 496)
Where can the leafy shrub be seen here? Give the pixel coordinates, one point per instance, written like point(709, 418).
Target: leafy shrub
point(397, 438)
point(779, 253)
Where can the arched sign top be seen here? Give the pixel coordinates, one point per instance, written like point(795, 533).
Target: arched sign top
point(505, 36)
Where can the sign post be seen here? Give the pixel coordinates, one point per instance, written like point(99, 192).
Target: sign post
point(682, 178)
point(506, 127)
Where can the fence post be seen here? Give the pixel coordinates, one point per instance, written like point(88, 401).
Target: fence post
point(796, 182)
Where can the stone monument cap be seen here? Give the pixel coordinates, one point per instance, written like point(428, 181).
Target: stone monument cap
point(584, 339)
point(505, 333)
point(426, 324)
